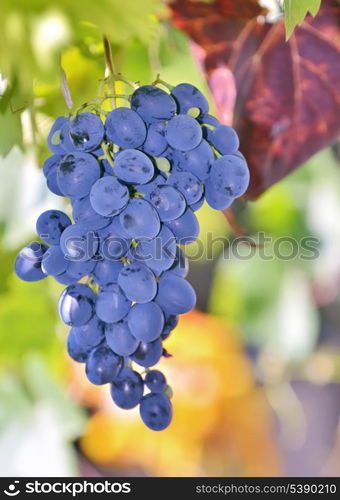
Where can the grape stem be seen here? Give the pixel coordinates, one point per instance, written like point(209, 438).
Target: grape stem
point(158, 81)
point(107, 155)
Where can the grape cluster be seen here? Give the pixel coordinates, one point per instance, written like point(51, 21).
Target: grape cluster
point(134, 181)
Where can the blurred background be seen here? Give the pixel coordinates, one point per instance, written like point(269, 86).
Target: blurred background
point(256, 368)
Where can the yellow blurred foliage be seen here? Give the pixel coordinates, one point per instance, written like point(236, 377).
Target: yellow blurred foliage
point(222, 423)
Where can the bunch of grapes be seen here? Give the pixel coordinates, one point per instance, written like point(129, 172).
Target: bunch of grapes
point(135, 177)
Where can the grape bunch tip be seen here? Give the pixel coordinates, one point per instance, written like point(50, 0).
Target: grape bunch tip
point(120, 253)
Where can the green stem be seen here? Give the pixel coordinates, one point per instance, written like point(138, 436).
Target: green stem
point(158, 81)
point(107, 155)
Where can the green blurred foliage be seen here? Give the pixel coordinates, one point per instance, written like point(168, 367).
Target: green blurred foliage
point(296, 11)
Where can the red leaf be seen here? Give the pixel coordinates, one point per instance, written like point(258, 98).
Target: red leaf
point(288, 96)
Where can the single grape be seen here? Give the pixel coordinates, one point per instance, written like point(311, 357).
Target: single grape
point(80, 268)
point(155, 381)
point(120, 339)
point(65, 279)
point(77, 173)
point(146, 321)
point(175, 295)
point(217, 197)
point(158, 253)
point(125, 128)
point(51, 224)
point(106, 272)
point(188, 184)
point(180, 266)
point(137, 282)
point(134, 167)
point(148, 353)
point(188, 96)
point(77, 350)
point(112, 246)
point(51, 164)
point(53, 139)
point(108, 196)
point(79, 243)
point(53, 261)
point(86, 132)
point(168, 201)
point(171, 321)
point(156, 411)
point(155, 143)
point(185, 228)
point(153, 104)
point(52, 182)
point(198, 161)
point(91, 334)
point(76, 304)
point(140, 219)
point(209, 119)
point(112, 305)
point(225, 140)
point(127, 389)
point(82, 209)
point(183, 133)
point(28, 262)
point(230, 174)
point(102, 365)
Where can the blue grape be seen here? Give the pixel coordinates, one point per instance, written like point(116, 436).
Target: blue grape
point(158, 253)
point(108, 196)
point(120, 339)
point(117, 229)
point(230, 174)
point(91, 334)
point(138, 282)
point(65, 279)
point(153, 104)
point(225, 139)
point(82, 209)
point(156, 411)
point(78, 242)
point(106, 272)
point(65, 139)
point(28, 262)
point(198, 205)
point(53, 261)
point(80, 268)
point(185, 228)
point(102, 365)
point(148, 353)
point(171, 321)
point(155, 143)
point(140, 219)
point(77, 350)
point(183, 133)
point(168, 201)
point(217, 198)
point(127, 389)
point(112, 305)
point(134, 167)
point(147, 188)
point(111, 246)
point(125, 128)
point(188, 184)
point(77, 173)
point(180, 266)
point(53, 139)
point(86, 132)
point(146, 321)
point(76, 305)
point(198, 161)
point(175, 295)
point(209, 119)
point(52, 183)
point(188, 96)
point(51, 164)
point(51, 224)
point(155, 381)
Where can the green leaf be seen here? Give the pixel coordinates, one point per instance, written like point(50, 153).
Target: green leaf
point(296, 11)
